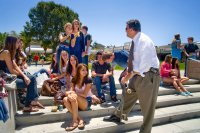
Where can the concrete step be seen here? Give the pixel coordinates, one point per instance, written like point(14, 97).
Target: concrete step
point(185, 126)
point(163, 90)
point(97, 125)
point(46, 116)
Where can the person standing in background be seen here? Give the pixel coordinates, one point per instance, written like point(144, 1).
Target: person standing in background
point(176, 47)
point(190, 51)
point(42, 57)
point(77, 46)
point(65, 42)
point(36, 59)
point(87, 42)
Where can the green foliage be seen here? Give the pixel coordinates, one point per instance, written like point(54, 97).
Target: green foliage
point(26, 35)
point(96, 45)
point(2, 39)
point(13, 33)
point(47, 20)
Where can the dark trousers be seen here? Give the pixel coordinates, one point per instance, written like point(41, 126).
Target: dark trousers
point(85, 59)
point(144, 89)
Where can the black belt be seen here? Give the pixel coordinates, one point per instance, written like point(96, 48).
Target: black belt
point(154, 70)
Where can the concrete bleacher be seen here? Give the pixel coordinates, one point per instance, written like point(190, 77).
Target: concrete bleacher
point(170, 108)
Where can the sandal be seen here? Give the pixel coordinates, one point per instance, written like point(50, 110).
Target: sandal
point(30, 109)
point(73, 126)
point(81, 124)
point(37, 104)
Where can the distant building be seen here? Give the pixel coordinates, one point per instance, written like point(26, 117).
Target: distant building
point(36, 48)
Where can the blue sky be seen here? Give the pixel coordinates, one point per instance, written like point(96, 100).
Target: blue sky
point(106, 19)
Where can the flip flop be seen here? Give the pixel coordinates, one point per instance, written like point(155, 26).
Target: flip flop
point(37, 104)
point(72, 127)
point(81, 124)
point(31, 109)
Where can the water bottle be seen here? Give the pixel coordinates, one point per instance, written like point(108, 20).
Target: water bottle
point(161, 83)
point(60, 107)
point(63, 89)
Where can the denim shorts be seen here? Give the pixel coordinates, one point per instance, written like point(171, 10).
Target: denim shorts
point(89, 100)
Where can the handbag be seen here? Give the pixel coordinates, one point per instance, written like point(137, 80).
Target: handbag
point(50, 88)
point(58, 98)
point(8, 78)
point(3, 92)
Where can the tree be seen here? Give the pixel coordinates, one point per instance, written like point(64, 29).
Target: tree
point(13, 33)
point(2, 39)
point(45, 44)
point(47, 20)
point(97, 45)
point(26, 36)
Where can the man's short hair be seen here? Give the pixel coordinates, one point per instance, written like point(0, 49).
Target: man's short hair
point(99, 53)
point(177, 36)
point(134, 24)
point(85, 27)
point(106, 55)
point(191, 38)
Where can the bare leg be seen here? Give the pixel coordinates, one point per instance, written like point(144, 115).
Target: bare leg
point(176, 85)
point(184, 79)
point(172, 81)
point(67, 104)
point(181, 86)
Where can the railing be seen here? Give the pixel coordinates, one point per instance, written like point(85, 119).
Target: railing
point(11, 104)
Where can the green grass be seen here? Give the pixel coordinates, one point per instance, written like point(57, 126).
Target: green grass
point(182, 66)
point(117, 67)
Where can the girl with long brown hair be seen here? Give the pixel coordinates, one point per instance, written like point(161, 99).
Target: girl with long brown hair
point(80, 97)
point(8, 65)
point(77, 46)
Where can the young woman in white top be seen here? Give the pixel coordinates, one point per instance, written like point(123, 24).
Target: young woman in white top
point(64, 57)
point(80, 97)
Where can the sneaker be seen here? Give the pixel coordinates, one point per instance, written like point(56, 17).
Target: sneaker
point(114, 99)
point(183, 94)
point(103, 100)
point(188, 93)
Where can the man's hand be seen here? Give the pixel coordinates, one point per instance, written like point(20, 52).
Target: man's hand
point(124, 81)
point(105, 78)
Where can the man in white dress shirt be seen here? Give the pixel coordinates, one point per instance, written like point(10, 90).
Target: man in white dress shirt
point(143, 75)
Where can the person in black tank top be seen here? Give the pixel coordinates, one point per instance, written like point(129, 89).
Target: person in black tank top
point(9, 65)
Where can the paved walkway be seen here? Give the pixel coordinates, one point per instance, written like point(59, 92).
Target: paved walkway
point(187, 126)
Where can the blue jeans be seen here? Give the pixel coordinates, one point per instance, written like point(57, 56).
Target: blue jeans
point(32, 91)
point(78, 54)
point(42, 70)
point(85, 59)
point(121, 58)
point(98, 81)
point(58, 52)
point(36, 63)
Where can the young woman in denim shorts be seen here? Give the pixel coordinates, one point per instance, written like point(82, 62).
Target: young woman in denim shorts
point(80, 97)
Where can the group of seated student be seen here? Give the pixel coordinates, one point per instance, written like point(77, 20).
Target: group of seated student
point(10, 63)
point(170, 74)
